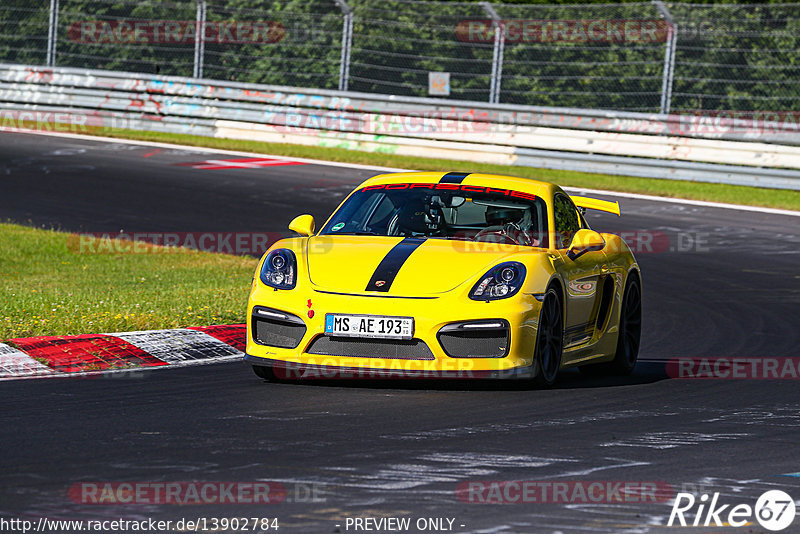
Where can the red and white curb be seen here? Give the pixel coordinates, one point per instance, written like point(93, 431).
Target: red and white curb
point(49, 356)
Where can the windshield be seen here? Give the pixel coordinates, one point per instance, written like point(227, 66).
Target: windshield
point(478, 214)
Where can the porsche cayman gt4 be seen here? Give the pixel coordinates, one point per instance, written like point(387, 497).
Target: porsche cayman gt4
point(447, 275)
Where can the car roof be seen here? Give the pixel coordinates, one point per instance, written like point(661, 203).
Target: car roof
point(515, 183)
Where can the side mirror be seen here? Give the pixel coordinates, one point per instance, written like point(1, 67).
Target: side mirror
point(585, 241)
point(303, 225)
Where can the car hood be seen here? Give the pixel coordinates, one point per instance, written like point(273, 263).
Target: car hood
point(348, 264)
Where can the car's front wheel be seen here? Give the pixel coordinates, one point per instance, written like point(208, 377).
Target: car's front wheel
point(549, 340)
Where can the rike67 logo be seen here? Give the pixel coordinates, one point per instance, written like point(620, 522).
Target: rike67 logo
point(774, 511)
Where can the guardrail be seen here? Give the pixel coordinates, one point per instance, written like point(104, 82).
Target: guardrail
point(713, 149)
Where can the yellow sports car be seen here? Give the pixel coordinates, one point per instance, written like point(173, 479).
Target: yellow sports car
point(428, 274)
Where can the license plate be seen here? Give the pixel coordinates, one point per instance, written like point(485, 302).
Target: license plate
point(375, 326)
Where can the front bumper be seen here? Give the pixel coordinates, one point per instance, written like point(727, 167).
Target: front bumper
point(297, 359)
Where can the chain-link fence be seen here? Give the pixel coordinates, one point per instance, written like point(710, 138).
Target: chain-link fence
point(647, 56)
point(737, 57)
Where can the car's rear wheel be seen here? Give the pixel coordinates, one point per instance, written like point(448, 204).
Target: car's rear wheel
point(262, 371)
point(630, 328)
point(549, 340)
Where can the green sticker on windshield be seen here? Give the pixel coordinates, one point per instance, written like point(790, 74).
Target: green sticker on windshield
point(337, 226)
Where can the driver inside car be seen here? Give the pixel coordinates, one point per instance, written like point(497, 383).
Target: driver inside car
point(508, 225)
point(419, 218)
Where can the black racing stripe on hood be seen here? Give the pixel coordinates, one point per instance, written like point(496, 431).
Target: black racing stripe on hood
point(454, 177)
point(390, 265)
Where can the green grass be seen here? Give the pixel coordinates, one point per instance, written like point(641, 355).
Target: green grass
point(48, 288)
point(754, 196)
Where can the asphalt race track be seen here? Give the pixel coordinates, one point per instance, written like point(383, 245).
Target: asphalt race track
point(722, 283)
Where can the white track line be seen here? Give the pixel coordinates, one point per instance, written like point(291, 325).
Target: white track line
point(637, 196)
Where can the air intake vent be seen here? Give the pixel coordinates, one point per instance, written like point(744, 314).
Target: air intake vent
point(399, 349)
point(478, 339)
point(276, 328)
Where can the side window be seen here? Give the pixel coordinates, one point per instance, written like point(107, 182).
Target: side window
point(567, 222)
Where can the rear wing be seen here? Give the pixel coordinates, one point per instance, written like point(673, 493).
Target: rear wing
point(594, 204)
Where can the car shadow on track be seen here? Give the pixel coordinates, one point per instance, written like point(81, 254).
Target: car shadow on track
point(646, 372)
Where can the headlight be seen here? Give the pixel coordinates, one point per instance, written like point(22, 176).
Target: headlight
point(279, 269)
point(502, 281)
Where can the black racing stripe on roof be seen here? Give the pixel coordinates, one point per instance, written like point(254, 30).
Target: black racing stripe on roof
point(454, 177)
point(390, 265)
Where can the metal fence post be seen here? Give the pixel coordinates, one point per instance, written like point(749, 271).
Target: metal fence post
point(347, 43)
point(497, 52)
point(52, 34)
point(199, 40)
point(669, 57)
